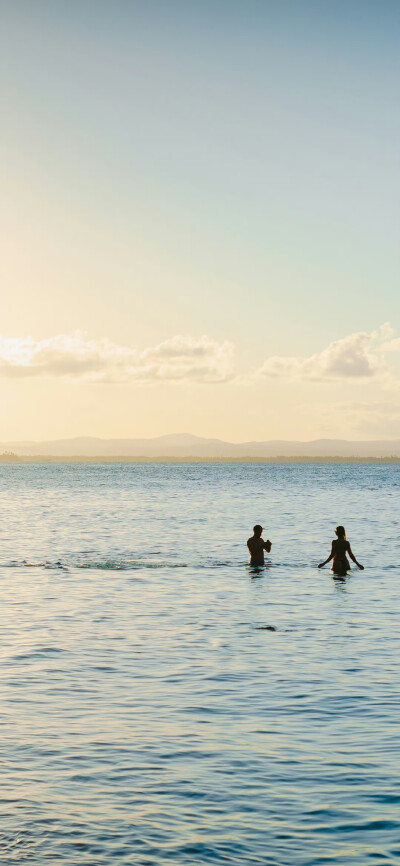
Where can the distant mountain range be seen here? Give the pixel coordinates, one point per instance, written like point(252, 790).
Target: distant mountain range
point(184, 445)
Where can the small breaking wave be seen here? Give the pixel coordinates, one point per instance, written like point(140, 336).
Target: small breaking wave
point(120, 562)
point(128, 564)
point(110, 564)
point(124, 563)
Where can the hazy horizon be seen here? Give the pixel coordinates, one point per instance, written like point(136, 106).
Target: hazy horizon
point(178, 434)
point(187, 446)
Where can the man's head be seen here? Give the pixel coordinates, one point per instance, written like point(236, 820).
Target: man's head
point(257, 529)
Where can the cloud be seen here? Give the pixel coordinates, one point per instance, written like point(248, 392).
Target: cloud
point(357, 356)
point(74, 356)
point(199, 359)
point(392, 346)
point(360, 357)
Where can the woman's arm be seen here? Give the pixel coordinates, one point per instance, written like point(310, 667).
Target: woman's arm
point(329, 558)
point(351, 555)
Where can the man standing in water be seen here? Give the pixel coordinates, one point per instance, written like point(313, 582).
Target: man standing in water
point(257, 545)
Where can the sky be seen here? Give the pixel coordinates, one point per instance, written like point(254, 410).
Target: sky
point(200, 218)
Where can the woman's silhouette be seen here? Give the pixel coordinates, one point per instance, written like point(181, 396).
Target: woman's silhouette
point(340, 549)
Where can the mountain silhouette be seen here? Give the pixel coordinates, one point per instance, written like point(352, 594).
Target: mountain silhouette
point(183, 445)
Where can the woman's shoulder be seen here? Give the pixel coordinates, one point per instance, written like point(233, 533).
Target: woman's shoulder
point(341, 542)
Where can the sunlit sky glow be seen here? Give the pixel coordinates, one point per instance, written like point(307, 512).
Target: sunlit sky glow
point(200, 208)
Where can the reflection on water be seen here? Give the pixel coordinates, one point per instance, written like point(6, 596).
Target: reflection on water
point(340, 582)
point(163, 702)
point(256, 571)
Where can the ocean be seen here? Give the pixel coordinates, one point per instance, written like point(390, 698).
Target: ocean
point(161, 702)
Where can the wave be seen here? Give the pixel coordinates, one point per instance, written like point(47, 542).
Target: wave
point(101, 564)
point(128, 563)
point(125, 563)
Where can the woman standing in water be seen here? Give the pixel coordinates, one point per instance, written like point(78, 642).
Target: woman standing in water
point(340, 549)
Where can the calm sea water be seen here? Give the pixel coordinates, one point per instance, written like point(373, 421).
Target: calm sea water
point(148, 716)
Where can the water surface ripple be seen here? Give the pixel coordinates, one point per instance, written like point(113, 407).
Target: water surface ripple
point(161, 702)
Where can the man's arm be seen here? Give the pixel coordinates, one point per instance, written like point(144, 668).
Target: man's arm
point(267, 545)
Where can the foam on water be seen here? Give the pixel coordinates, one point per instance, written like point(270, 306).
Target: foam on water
point(163, 702)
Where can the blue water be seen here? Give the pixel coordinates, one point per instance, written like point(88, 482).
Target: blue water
point(148, 716)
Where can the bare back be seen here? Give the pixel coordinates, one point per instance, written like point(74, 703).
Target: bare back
point(340, 546)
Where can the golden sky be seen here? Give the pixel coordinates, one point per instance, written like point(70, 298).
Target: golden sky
point(199, 220)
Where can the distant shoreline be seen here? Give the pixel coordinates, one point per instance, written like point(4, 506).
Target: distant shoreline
point(16, 458)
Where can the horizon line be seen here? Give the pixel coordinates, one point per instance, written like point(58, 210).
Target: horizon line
point(10, 457)
point(196, 436)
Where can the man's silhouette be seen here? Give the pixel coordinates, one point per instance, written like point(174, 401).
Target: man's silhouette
point(257, 545)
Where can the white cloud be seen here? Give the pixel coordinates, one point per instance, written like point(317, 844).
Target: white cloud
point(74, 356)
point(199, 359)
point(358, 356)
point(392, 346)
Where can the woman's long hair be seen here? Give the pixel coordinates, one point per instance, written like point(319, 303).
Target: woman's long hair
point(341, 532)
